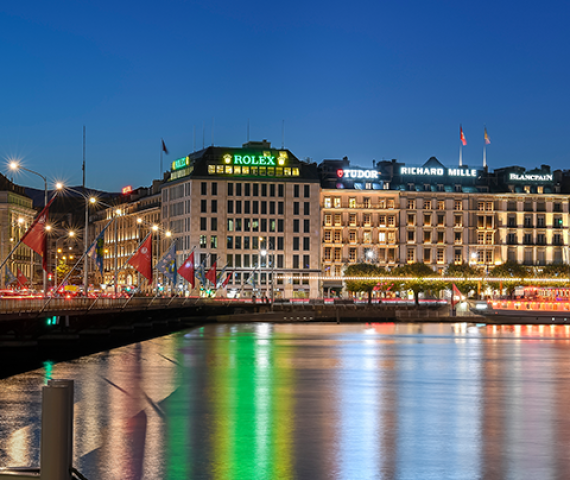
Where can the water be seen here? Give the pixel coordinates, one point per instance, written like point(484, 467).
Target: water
point(322, 401)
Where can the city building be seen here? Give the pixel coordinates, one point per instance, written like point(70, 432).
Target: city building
point(396, 214)
point(16, 215)
point(252, 210)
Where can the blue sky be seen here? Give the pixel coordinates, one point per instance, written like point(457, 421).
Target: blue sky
point(367, 80)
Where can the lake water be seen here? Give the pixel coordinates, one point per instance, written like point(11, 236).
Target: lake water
point(312, 401)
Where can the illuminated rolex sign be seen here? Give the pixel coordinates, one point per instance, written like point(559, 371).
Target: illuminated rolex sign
point(438, 172)
point(268, 160)
point(530, 177)
point(180, 163)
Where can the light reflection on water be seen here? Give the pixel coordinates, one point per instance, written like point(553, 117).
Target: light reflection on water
point(378, 401)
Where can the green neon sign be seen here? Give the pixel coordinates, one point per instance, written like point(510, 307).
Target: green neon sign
point(253, 160)
point(180, 163)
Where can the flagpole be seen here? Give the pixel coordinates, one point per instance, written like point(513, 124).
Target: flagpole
point(460, 153)
point(484, 155)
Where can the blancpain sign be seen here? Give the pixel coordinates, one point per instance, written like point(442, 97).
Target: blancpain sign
point(452, 172)
point(530, 177)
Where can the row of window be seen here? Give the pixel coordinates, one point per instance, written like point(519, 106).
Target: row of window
point(382, 255)
point(335, 236)
point(336, 202)
point(265, 278)
point(255, 260)
point(255, 171)
point(238, 242)
point(368, 220)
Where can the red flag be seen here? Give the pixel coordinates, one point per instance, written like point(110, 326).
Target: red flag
point(22, 280)
point(142, 260)
point(186, 270)
point(455, 293)
point(36, 237)
point(226, 281)
point(164, 149)
point(462, 136)
point(211, 274)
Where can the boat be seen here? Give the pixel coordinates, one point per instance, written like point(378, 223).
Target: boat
point(531, 305)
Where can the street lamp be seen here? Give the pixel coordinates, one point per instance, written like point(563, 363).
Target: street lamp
point(70, 234)
point(264, 252)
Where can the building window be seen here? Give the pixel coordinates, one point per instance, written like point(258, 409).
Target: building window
point(458, 220)
point(337, 254)
point(427, 236)
point(391, 220)
point(441, 205)
point(306, 208)
point(458, 205)
point(296, 191)
point(296, 225)
point(203, 241)
point(213, 224)
point(306, 191)
point(489, 239)
point(204, 188)
point(458, 257)
point(411, 236)
point(411, 204)
point(295, 208)
point(427, 255)
point(203, 223)
point(295, 243)
point(214, 206)
point(230, 189)
point(352, 220)
point(307, 226)
point(306, 243)
point(352, 236)
point(352, 254)
point(427, 204)
point(214, 241)
point(440, 256)
point(327, 202)
point(327, 254)
point(367, 203)
point(458, 237)
point(367, 237)
point(440, 237)
point(230, 242)
point(337, 202)
point(337, 236)
point(480, 238)
point(411, 220)
point(382, 237)
point(203, 206)
point(411, 255)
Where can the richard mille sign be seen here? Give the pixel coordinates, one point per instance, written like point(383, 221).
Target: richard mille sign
point(438, 172)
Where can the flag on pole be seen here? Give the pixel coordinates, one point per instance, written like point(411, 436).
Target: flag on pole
point(200, 274)
point(35, 237)
point(142, 259)
point(487, 140)
point(211, 274)
point(455, 293)
point(10, 277)
point(164, 149)
point(186, 270)
point(167, 264)
point(251, 280)
point(22, 280)
point(224, 284)
point(220, 276)
point(97, 249)
point(462, 136)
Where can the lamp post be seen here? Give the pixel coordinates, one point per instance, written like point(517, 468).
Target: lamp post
point(139, 222)
point(264, 253)
point(17, 166)
point(70, 234)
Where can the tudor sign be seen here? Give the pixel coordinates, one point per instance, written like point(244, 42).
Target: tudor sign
point(364, 174)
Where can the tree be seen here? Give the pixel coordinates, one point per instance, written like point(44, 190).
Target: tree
point(363, 270)
point(466, 273)
point(560, 271)
point(510, 270)
point(419, 274)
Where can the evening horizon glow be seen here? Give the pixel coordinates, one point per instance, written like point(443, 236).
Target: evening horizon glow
point(370, 82)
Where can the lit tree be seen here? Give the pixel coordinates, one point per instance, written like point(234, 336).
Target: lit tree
point(420, 281)
point(363, 270)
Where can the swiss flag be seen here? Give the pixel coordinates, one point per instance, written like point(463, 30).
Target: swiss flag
point(462, 136)
point(36, 237)
point(186, 270)
point(22, 280)
point(142, 260)
point(455, 293)
point(212, 274)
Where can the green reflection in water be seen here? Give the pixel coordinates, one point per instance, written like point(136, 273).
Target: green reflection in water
point(178, 418)
point(48, 367)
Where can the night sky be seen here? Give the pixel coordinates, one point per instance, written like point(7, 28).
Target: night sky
point(368, 80)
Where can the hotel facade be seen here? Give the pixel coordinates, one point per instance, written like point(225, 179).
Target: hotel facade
point(287, 228)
